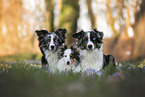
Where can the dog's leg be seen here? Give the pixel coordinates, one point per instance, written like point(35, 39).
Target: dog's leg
point(111, 60)
point(108, 60)
point(44, 61)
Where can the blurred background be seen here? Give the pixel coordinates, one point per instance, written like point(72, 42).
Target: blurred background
point(122, 21)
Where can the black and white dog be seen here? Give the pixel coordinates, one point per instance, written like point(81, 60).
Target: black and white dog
point(91, 55)
point(68, 60)
point(49, 44)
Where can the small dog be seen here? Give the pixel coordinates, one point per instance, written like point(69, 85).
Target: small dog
point(49, 44)
point(91, 55)
point(66, 62)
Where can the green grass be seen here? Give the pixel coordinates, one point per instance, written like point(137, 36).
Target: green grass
point(20, 56)
point(28, 80)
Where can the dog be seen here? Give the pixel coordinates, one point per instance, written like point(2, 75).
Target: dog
point(91, 55)
point(68, 60)
point(49, 44)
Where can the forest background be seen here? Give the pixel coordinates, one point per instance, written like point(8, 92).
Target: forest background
point(122, 21)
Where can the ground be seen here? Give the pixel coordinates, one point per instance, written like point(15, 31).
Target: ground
point(20, 79)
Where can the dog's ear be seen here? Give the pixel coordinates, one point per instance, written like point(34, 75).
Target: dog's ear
point(61, 31)
point(61, 34)
point(75, 52)
point(99, 36)
point(74, 46)
point(61, 51)
point(65, 47)
point(62, 48)
point(78, 35)
point(41, 33)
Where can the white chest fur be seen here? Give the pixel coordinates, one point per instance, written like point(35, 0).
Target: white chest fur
point(62, 66)
point(52, 59)
point(91, 59)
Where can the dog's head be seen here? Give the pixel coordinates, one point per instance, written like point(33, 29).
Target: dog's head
point(89, 40)
point(68, 55)
point(51, 41)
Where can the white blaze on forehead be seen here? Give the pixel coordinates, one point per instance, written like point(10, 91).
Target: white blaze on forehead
point(89, 41)
point(88, 36)
point(51, 41)
point(67, 53)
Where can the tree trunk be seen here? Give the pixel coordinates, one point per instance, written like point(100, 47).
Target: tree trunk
point(69, 14)
point(91, 14)
point(49, 15)
point(139, 45)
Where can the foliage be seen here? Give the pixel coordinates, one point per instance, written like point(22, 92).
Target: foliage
point(20, 18)
point(29, 80)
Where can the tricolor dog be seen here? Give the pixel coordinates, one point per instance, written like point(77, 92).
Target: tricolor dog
point(91, 55)
point(68, 60)
point(49, 44)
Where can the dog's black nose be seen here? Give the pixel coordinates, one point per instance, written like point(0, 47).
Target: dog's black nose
point(89, 46)
point(68, 62)
point(52, 47)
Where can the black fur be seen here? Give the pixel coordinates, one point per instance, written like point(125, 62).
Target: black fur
point(108, 60)
point(75, 52)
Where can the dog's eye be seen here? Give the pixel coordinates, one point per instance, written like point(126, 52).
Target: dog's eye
point(48, 40)
point(94, 39)
point(86, 39)
point(49, 36)
point(54, 40)
point(65, 55)
point(70, 56)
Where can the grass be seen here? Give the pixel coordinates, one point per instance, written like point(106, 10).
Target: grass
point(30, 80)
point(20, 57)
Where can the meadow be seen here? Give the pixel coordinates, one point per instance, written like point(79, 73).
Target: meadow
point(20, 79)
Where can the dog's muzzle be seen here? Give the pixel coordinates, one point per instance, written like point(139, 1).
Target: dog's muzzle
point(68, 62)
point(90, 46)
point(52, 47)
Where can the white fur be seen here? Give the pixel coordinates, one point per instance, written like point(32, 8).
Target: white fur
point(91, 59)
point(52, 59)
point(62, 66)
point(77, 68)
